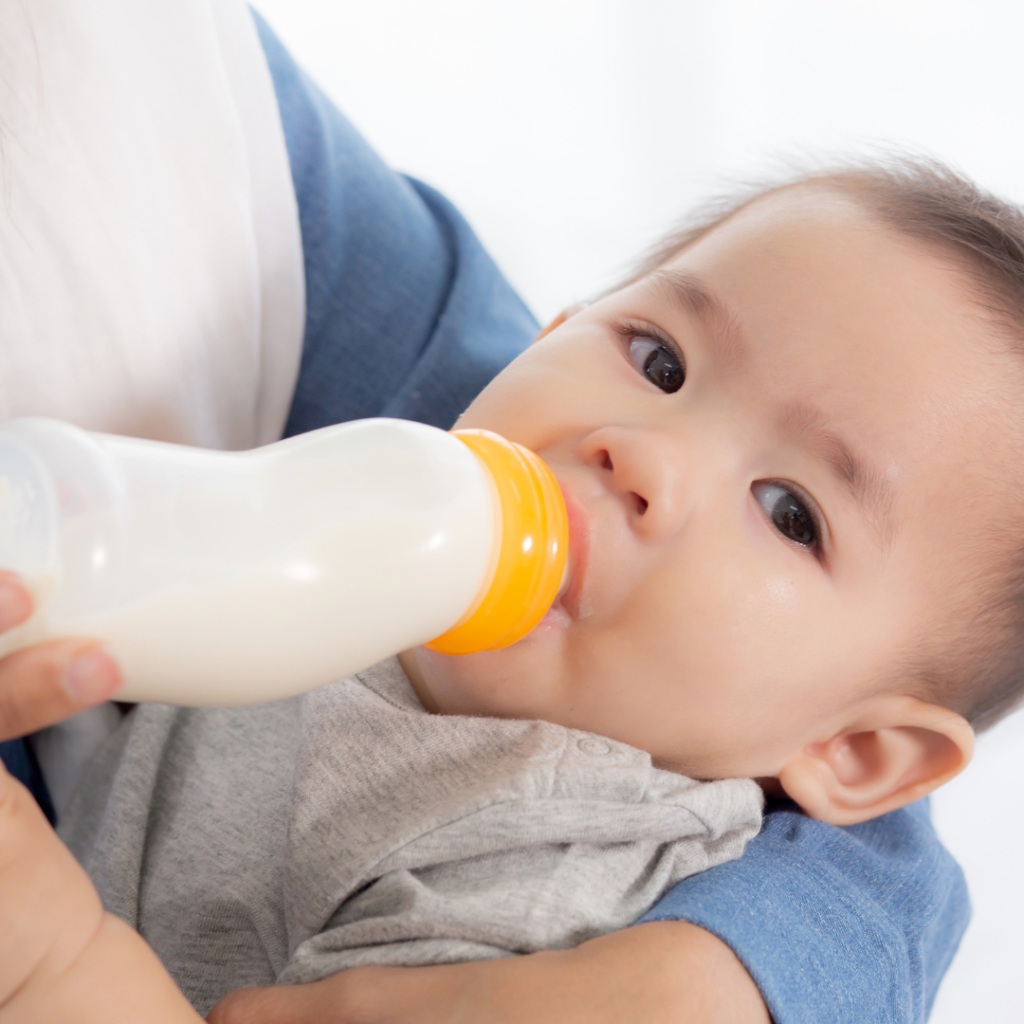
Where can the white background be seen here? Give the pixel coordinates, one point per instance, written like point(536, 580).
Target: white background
point(573, 132)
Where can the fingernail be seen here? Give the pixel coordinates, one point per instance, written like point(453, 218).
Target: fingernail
point(15, 605)
point(93, 676)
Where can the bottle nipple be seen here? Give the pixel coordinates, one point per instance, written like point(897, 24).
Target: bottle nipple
point(531, 549)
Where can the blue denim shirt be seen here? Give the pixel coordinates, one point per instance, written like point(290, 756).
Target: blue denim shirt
point(408, 316)
point(836, 924)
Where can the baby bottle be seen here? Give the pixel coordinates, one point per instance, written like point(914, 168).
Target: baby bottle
point(220, 578)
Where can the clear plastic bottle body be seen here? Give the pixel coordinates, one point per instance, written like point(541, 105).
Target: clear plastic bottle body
point(222, 578)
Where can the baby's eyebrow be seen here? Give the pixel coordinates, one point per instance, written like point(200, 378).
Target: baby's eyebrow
point(689, 292)
point(868, 487)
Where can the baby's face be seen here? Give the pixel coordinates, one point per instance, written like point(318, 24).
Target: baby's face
point(778, 453)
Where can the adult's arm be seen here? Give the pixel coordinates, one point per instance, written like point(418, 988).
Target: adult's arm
point(661, 973)
point(408, 316)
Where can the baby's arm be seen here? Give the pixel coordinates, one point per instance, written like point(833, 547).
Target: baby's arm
point(61, 957)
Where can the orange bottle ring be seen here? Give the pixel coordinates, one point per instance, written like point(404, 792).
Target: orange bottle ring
point(532, 551)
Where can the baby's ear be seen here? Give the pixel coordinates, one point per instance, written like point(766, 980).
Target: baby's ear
point(898, 751)
point(559, 320)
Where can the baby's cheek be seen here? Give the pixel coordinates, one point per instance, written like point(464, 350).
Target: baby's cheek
point(524, 403)
point(724, 642)
point(780, 597)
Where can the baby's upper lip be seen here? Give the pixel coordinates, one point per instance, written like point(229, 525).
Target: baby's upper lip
point(579, 550)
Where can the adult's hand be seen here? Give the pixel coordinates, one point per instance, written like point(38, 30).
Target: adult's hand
point(667, 972)
point(43, 684)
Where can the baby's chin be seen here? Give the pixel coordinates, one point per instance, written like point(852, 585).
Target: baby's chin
point(519, 681)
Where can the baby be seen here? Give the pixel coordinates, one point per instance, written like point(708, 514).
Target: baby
point(756, 437)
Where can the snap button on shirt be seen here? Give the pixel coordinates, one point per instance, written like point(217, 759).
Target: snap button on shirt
point(594, 747)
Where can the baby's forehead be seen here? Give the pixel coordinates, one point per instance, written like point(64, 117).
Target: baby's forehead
point(814, 219)
point(814, 272)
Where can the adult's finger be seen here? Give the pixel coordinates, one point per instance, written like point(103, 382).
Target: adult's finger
point(51, 681)
point(15, 601)
point(43, 684)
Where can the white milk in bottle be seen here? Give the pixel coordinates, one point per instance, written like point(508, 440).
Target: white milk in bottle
point(220, 578)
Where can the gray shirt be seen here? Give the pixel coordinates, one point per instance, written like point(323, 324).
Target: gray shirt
point(287, 841)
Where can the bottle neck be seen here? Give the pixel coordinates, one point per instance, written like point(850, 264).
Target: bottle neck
point(532, 548)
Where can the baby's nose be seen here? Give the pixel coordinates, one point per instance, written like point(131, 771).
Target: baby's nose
point(645, 471)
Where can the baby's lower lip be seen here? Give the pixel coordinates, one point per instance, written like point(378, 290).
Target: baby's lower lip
point(576, 563)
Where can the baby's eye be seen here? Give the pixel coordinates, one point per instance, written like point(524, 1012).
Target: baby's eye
point(657, 362)
point(788, 513)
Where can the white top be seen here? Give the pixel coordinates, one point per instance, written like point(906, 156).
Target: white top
point(151, 278)
point(151, 275)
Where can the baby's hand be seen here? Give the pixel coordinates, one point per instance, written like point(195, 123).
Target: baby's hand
point(61, 957)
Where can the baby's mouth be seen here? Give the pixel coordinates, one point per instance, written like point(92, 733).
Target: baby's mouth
point(564, 585)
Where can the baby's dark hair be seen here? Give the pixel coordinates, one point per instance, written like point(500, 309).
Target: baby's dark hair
point(977, 669)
